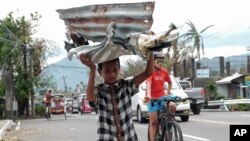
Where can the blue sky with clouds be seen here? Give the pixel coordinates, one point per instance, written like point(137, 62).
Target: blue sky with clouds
point(230, 18)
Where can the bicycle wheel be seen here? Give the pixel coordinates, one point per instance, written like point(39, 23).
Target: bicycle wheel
point(65, 114)
point(49, 116)
point(47, 113)
point(173, 132)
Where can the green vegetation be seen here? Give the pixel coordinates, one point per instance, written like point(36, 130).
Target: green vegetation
point(40, 110)
point(22, 58)
point(238, 107)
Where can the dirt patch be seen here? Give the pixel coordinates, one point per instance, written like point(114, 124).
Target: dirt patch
point(15, 135)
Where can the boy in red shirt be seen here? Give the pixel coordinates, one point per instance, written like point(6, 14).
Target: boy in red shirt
point(155, 90)
point(48, 99)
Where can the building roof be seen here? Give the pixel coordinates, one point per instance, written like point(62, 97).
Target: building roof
point(229, 79)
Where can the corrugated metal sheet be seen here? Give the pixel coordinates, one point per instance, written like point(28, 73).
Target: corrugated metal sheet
point(92, 20)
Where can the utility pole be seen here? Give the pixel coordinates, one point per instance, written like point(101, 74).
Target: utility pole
point(31, 50)
point(8, 78)
point(248, 65)
point(65, 85)
point(26, 101)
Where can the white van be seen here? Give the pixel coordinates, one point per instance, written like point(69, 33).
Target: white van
point(75, 106)
point(140, 110)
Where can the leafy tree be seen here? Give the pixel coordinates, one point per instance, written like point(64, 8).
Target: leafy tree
point(2, 89)
point(16, 42)
point(45, 81)
point(212, 92)
point(177, 53)
point(134, 67)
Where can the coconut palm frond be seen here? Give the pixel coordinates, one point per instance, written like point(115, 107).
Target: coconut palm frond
point(188, 39)
point(191, 25)
point(206, 28)
point(187, 35)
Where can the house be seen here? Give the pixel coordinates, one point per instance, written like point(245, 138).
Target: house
point(233, 86)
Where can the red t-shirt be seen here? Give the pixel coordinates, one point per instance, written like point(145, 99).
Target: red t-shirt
point(47, 97)
point(157, 80)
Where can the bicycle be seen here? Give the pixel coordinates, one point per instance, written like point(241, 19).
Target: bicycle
point(47, 113)
point(167, 128)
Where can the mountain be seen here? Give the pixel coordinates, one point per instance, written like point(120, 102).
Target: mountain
point(73, 72)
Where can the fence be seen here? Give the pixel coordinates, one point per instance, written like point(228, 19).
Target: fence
point(224, 103)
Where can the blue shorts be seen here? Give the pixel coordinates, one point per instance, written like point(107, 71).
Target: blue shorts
point(156, 106)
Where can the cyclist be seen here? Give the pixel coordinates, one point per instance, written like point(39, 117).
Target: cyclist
point(47, 100)
point(155, 90)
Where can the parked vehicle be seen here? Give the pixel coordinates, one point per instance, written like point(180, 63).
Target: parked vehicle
point(57, 103)
point(196, 94)
point(75, 106)
point(86, 108)
point(80, 98)
point(140, 110)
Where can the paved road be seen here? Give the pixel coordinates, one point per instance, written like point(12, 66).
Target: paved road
point(208, 126)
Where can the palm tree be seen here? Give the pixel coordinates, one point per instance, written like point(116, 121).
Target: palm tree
point(195, 36)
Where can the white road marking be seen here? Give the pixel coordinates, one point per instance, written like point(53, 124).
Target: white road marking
point(18, 125)
point(245, 115)
point(194, 138)
point(186, 137)
point(216, 122)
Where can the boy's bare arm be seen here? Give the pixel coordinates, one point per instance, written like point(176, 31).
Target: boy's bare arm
point(169, 88)
point(148, 71)
point(91, 85)
point(91, 82)
point(148, 88)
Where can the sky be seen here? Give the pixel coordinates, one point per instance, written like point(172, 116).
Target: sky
point(229, 35)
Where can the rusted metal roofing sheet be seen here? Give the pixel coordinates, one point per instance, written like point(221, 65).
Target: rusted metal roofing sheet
point(92, 21)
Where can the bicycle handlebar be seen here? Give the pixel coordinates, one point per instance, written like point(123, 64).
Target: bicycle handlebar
point(173, 98)
point(170, 98)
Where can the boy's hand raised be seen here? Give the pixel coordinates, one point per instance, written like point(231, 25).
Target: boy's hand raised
point(87, 61)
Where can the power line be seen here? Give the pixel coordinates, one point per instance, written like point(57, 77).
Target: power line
point(10, 33)
point(8, 40)
point(70, 69)
point(65, 66)
point(15, 42)
point(8, 55)
point(231, 28)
